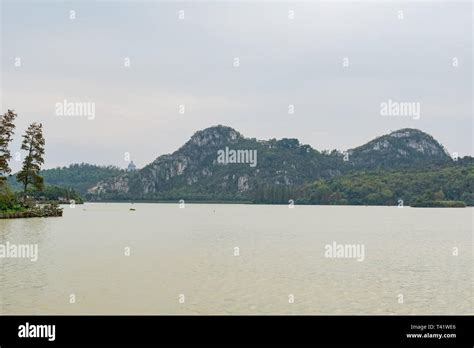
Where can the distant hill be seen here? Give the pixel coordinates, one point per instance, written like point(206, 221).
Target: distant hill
point(403, 148)
point(206, 168)
point(193, 171)
point(79, 177)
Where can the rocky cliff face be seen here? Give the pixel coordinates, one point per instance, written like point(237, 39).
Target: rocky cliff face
point(218, 162)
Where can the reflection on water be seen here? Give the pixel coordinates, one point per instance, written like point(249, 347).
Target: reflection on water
point(226, 259)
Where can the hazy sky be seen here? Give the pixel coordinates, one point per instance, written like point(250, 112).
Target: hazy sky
point(190, 62)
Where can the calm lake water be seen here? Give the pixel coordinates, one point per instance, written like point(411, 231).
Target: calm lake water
point(280, 257)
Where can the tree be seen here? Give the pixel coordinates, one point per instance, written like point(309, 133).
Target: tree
point(6, 131)
point(33, 143)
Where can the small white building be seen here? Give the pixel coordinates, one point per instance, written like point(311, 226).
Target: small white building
point(131, 167)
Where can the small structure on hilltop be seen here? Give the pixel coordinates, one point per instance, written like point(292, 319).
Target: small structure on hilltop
point(131, 167)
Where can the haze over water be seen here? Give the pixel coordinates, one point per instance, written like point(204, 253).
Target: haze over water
point(191, 251)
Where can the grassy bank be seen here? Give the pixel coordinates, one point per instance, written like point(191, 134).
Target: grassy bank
point(439, 204)
point(28, 214)
point(47, 210)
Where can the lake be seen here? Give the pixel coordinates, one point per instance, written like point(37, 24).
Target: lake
point(103, 258)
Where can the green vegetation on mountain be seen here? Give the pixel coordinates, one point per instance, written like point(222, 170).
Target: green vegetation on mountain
point(405, 148)
point(76, 177)
point(79, 177)
point(406, 165)
point(416, 187)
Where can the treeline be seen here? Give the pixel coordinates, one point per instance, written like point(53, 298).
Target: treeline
point(274, 194)
point(451, 183)
point(58, 194)
point(78, 177)
point(174, 195)
point(446, 186)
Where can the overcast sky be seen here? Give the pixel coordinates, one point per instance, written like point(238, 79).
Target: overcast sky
point(190, 62)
